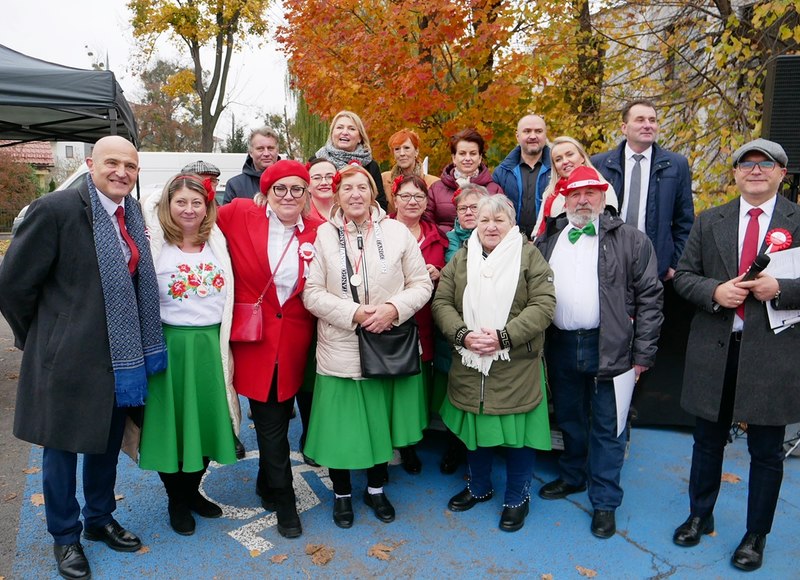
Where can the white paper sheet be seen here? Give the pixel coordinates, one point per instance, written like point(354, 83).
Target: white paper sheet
point(623, 393)
point(783, 264)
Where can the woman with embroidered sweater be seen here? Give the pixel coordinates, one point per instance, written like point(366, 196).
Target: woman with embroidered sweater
point(495, 300)
point(191, 406)
point(356, 422)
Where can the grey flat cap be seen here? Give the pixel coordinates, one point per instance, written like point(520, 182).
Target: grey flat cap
point(769, 148)
point(201, 168)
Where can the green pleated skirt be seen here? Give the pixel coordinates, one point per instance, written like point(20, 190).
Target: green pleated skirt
point(186, 413)
point(356, 424)
point(530, 429)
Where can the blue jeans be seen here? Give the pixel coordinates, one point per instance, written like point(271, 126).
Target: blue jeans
point(586, 413)
point(519, 471)
point(99, 476)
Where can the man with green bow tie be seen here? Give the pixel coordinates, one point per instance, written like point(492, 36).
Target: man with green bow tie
point(607, 322)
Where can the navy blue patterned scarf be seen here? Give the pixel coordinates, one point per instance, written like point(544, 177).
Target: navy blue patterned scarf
point(133, 317)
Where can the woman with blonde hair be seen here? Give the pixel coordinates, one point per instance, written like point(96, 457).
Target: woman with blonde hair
point(347, 142)
point(566, 154)
point(404, 145)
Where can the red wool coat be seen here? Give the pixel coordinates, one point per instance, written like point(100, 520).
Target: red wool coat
point(288, 329)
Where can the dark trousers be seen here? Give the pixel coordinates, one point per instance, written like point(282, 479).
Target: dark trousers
point(586, 412)
point(765, 445)
point(304, 401)
point(99, 477)
point(376, 477)
point(519, 471)
point(271, 420)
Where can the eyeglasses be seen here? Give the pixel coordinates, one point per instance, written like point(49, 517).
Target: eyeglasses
point(748, 166)
point(462, 209)
point(406, 197)
point(320, 178)
point(297, 191)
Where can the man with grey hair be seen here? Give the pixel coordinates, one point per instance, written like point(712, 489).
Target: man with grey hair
point(619, 288)
point(737, 368)
point(262, 152)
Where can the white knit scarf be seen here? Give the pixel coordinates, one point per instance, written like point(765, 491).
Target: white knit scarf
point(491, 285)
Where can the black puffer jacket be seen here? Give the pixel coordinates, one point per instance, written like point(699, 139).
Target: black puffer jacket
point(631, 295)
point(246, 184)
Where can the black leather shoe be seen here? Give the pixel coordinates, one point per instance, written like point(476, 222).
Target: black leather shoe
point(180, 518)
point(204, 508)
point(559, 489)
point(72, 562)
point(239, 447)
point(750, 554)
point(688, 534)
point(513, 518)
point(380, 505)
point(453, 457)
point(464, 500)
point(604, 523)
point(343, 512)
point(114, 536)
point(288, 521)
point(410, 461)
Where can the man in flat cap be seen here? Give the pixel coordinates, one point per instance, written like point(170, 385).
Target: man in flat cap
point(737, 368)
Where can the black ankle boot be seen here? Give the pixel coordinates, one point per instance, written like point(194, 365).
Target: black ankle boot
point(288, 520)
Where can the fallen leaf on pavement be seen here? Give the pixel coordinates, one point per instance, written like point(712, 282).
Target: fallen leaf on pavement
point(12, 376)
point(143, 550)
point(547, 577)
point(320, 553)
point(119, 497)
point(37, 499)
point(731, 478)
point(31, 470)
point(588, 572)
point(10, 496)
point(255, 553)
point(383, 551)
point(279, 558)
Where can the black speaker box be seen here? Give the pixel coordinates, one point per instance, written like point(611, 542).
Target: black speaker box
point(781, 122)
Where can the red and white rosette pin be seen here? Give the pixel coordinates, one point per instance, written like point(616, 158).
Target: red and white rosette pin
point(307, 253)
point(777, 240)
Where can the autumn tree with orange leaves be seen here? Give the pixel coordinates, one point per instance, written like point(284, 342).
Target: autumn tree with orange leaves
point(437, 67)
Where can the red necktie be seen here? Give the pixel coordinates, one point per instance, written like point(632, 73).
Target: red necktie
point(749, 248)
point(134, 261)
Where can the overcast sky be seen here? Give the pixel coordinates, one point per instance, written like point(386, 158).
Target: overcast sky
point(59, 31)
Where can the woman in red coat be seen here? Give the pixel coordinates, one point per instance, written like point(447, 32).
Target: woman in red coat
point(410, 195)
point(270, 249)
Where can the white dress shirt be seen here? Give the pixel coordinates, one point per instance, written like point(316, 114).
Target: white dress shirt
point(763, 223)
point(279, 235)
point(645, 164)
point(111, 207)
point(575, 278)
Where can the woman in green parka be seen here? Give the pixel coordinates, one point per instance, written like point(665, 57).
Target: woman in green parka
point(495, 300)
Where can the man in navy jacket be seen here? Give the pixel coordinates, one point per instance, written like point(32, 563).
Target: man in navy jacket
point(666, 184)
point(525, 172)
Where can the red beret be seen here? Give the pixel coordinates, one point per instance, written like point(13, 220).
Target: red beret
point(281, 169)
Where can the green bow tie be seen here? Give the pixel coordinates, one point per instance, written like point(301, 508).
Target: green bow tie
point(574, 234)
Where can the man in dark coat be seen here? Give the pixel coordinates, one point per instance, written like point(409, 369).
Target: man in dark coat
point(737, 368)
point(78, 289)
point(262, 151)
point(607, 320)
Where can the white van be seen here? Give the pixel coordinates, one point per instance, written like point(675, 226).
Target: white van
point(156, 167)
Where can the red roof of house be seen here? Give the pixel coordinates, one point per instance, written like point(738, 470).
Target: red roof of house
point(34, 152)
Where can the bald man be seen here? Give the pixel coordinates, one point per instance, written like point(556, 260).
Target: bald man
point(78, 289)
point(525, 172)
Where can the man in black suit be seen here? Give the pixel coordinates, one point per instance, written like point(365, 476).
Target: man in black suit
point(737, 368)
point(78, 289)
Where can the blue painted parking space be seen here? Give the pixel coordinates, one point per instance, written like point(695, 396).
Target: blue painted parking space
point(427, 540)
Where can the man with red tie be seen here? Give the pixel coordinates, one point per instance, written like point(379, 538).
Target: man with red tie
point(737, 368)
point(79, 291)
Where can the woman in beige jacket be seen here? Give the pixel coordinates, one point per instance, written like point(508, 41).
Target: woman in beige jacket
point(357, 422)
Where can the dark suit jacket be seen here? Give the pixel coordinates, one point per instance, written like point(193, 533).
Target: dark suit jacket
point(767, 391)
point(50, 293)
point(670, 208)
